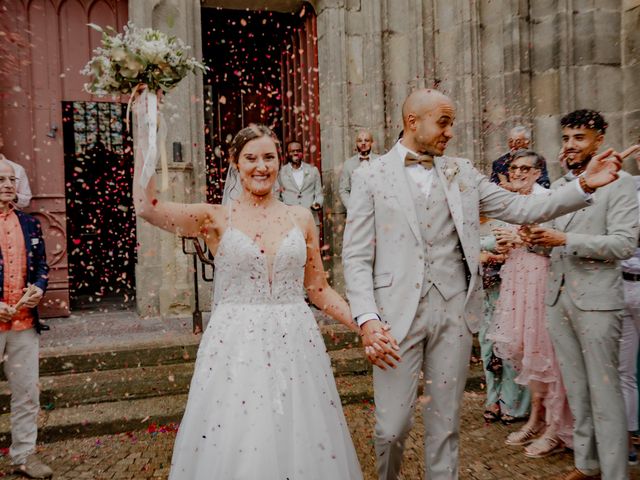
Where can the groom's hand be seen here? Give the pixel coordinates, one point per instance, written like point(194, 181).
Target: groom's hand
point(379, 345)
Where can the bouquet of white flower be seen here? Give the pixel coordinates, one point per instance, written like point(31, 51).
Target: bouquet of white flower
point(147, 61)
point(138, 56)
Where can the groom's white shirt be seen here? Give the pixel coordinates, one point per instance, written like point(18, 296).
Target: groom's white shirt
point(422, 176)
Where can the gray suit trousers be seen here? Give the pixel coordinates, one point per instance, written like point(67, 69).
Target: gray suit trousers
point(587, 345)
point(438, 344)
point(19, 350)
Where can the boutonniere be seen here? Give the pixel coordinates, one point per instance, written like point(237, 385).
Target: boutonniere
point(450, 172)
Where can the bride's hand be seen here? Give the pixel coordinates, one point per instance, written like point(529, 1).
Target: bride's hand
point(379, 345)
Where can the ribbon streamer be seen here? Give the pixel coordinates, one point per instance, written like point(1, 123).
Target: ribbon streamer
point(151, 137)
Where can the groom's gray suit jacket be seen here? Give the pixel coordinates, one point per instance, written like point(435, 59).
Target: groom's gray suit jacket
point(391, 257)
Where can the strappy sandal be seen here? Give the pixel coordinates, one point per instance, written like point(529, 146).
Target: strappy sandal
point(544, 446)
point(507, 419)
point(523, 436)
point(490, 416)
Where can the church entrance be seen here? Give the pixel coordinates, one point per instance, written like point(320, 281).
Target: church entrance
point(101, 223)
point(263, 69)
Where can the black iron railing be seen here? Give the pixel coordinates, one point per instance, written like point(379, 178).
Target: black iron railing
point(201, 255)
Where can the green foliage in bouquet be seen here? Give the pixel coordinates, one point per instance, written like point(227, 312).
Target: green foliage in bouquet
point(137, 55)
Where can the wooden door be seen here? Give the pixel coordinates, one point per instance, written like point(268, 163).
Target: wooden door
point(263, 69)
point(49, 44)
point(300, 87)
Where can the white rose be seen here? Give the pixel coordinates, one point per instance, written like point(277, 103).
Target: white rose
point(118, 54)
point(154, 51)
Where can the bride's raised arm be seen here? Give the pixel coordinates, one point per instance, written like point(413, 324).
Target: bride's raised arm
point(184, 219)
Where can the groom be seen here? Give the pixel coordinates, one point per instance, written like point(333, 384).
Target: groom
point(412, 267)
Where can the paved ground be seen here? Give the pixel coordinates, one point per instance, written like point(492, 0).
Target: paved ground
point(146, 454)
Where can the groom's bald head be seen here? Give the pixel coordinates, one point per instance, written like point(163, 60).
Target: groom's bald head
point(427, 118)
point(421, 101)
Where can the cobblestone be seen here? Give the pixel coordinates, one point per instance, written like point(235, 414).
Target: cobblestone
point(147, 455)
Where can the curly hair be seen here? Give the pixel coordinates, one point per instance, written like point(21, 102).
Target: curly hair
point(585, 118)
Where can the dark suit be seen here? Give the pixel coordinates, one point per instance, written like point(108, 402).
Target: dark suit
point(37, 268)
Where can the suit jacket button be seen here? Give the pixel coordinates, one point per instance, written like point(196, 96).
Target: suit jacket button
point(417, 285)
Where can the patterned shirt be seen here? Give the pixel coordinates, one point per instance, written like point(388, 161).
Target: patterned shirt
point(14, 258)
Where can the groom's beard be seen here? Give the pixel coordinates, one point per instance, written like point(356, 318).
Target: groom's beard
point(581, 166)
point(431, 153)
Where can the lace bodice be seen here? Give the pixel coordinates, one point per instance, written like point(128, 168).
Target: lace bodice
point(244, 274)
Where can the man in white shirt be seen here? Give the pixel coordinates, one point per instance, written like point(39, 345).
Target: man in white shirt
point(300, 183)
point(23, 191)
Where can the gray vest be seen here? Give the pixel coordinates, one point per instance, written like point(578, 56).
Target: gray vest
point(443, 261)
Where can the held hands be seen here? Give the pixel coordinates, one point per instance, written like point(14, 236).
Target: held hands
point(541, 236)
point(316, 206)
point(379, 345)
point(506, 239)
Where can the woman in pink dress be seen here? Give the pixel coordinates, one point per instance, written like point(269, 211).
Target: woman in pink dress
point(519, 330)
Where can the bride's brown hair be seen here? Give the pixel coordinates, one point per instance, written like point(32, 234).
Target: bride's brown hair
point(244, 136)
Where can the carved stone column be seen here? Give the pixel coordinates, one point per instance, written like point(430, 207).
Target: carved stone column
point(163, 278)
point(506, 74)
point(457, 69)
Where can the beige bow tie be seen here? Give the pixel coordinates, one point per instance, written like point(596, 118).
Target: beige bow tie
point(425, 160)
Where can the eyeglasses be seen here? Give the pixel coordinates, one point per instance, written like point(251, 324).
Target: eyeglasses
point(522, 168)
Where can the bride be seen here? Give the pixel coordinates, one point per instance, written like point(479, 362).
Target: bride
point(263, 401)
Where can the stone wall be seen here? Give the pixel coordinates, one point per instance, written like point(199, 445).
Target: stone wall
point(504, 62)
point(631, 73)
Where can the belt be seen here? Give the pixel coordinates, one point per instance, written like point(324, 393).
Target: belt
point(631, 277)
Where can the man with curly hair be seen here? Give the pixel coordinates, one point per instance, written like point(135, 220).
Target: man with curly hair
point(585, 300)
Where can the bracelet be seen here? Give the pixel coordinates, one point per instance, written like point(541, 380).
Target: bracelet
point(583, 185)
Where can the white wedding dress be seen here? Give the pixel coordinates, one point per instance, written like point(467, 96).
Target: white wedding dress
point(263, 403)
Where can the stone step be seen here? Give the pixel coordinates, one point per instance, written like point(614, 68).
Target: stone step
point(61, 391)
point(58, 361)
point(139, 414)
